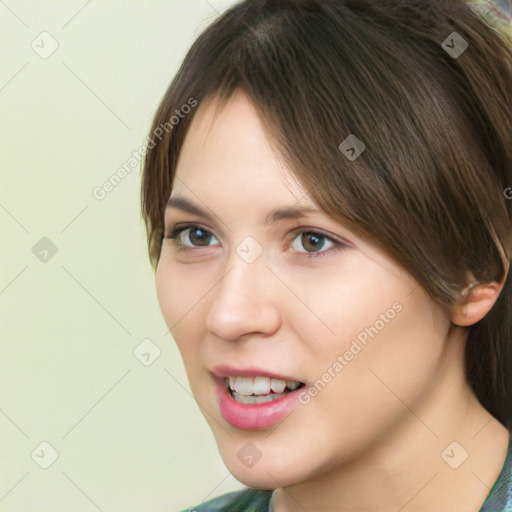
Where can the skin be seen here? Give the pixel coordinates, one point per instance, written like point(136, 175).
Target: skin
point(372, 439)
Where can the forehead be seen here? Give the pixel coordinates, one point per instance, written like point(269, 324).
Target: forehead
point(230, 146)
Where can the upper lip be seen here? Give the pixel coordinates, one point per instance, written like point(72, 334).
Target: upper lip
point(223, 371)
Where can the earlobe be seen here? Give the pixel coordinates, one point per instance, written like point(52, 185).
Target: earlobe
point(476, 301)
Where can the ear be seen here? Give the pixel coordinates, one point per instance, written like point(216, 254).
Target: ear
point(476, 301)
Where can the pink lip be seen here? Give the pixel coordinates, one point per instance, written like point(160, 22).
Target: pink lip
point(223, 371)
point(253, 416)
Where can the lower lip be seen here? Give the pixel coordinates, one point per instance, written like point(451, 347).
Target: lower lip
point(254, 416)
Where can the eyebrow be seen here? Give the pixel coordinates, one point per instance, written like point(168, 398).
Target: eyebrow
point(285, 212)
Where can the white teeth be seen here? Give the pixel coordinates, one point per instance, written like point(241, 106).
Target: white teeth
point(261, 386)
point(278, 385)
point(244, 385)
point(248, 386)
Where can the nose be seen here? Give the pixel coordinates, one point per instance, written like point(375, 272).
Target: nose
point(244, 303)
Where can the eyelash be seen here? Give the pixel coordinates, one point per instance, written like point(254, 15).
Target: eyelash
point(174, 231)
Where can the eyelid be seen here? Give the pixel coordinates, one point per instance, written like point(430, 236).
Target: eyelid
point(320, 231)
point(174, 230)
point(297, 230)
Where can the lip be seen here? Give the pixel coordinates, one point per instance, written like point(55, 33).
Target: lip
point(223, 371)
point(253, 416)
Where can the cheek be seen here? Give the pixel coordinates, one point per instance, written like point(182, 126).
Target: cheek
point(364, 301)
point(357, 301)
point(388, 333)
point(391, 371)
point(179, 297)
point(180, 288)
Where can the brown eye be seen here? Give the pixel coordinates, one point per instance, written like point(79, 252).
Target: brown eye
point(188, 237)
point(199, 236)
point(314, 244)
point(311, 241)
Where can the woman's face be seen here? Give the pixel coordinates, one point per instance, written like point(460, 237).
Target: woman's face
point(302, 298)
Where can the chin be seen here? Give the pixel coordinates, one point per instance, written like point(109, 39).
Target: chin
point(269, 472)
point(261, 479)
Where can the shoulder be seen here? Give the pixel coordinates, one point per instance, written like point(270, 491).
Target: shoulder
point(246, 500)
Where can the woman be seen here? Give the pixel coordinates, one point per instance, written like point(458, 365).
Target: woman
point(328, 208)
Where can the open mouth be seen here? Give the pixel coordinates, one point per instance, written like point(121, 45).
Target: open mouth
point(257, 390)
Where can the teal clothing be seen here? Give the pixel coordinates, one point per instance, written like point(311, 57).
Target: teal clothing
point(255, 500)
point(247, 500)
point(500, 497)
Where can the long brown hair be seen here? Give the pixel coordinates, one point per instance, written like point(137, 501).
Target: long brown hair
point(433, 109)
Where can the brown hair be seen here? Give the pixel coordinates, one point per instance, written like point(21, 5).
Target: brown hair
point(430, 186)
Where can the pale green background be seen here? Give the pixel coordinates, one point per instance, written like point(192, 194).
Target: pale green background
point(129, 436)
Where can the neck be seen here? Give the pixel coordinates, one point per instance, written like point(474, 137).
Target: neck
point(444, 456)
